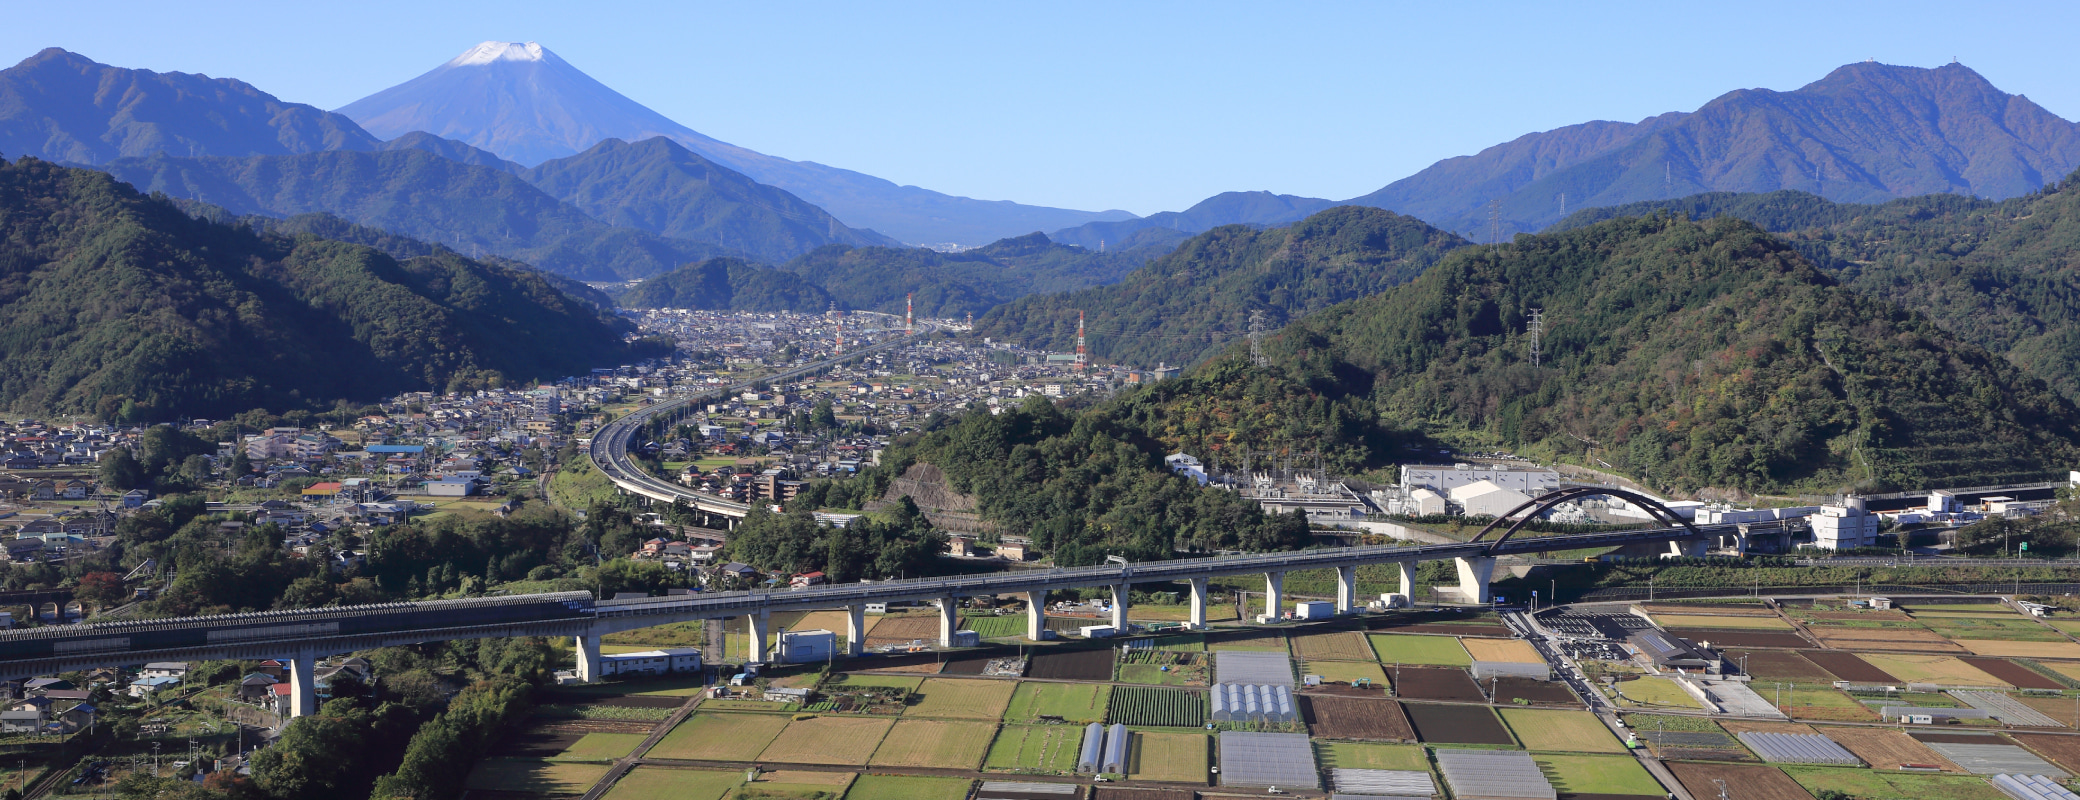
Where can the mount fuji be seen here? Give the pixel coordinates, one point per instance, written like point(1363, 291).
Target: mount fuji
point(526, 104)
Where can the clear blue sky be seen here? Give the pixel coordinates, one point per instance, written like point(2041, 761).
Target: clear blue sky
point(1145, 106)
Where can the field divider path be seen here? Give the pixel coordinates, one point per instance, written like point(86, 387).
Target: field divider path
point(623, 765)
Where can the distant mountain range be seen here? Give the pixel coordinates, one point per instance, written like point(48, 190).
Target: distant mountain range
point(524, 103)
point(1867, 132)
point(1226, 208)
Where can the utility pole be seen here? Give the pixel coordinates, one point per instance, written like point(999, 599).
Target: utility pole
point(1256, 339)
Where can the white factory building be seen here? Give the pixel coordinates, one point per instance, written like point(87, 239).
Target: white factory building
point(1530, 481)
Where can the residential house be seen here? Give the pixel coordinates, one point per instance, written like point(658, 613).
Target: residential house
point(146, 687)
point(21, 720)
point(166, 669)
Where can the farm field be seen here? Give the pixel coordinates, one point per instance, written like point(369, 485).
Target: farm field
point(827, 740)
point(1250, 641)
point(1991, 647)
point(957, 698)
point(1331, 717)
point(1456, 724)
point(1849, 667)
point(1650, 692)
point(1761, 783)
point(891, 681)
point(1405, 648)
point(934, 743)
point(898, 787)
point(1778, 665)
point(2012, 673)
point(1563, 731)
point(2061, 750)
point(1332, 646)
point(1892, 785)
point(834, 621)
point(602, 747)
point(1947, 670)
point(1092, 664)
point(903, 629)
point(1724, 638)
point(1536, 692)
point(993, 626)
point(1151, 706)
point(1179, 757)
point(1435, 683)
point(793, 784)
point(710, 736)
point(1158, 675)
point(1360, 755)
point(1886, 749)
point(1346, 671)
point(1716, 609)
point(545, 777)
point(1911, 640)
point(1073, 702)
point(1598, 775)
point(1769, 623)
point(648, 783)
point(1814, 701)
point(1046, 749)
point(1515, 651)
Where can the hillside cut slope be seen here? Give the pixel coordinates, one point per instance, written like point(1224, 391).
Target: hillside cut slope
point(109, 297)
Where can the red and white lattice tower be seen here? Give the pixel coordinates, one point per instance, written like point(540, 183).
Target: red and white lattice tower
point(1083, 362)
point(909, 315)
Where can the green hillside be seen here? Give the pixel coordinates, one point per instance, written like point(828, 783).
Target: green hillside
point(730, 284)
point(954, 284)
point(109, 298)
point(1190, 303)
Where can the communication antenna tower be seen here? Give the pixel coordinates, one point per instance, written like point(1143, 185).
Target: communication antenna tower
point(971, 320)
point(1538, 330)
point(1495, 221)
point(1256, 339)
point(1083, 363)
point(909, 317)
point(838, 320)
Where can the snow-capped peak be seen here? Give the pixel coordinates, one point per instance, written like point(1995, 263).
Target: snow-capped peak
point(491, 52)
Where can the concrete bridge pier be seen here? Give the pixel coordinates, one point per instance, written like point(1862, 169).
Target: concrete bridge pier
point(588, 657)
point(949, 620)
point(1346, 589)
point(1474, 574)
point(1680, 548)
point(855, 630)
point(1274, 593)
point(303, 683)
point(759, 623)
point(1408, 581)
point(1198, 620)
point(1119, 606)
point(1036, 614)
point(1740, 541)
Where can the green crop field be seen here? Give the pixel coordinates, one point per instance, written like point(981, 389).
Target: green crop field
point(1181, 757)
point(1598, 775)
point(957, 698)
point(1346, 671)
point(996, 627)
point(1652, 692)
point(1876, 785)
point(934, 743)
point(534, 776)
point(1409, 648)
point(1189, 642)
point(1567, 731)
point(1043, 749)
point(1148, 705)
point(720, 737)
point(1073, 702)
point(1365, 755)
point(648, 783)
point(601, 747)
point(895, 787)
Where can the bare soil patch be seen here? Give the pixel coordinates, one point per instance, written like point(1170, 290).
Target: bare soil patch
point(2013, 673)
point(1457, 724)
point(1939, 737)
point(1743, 638)
point(1848, 667)
point(904, 630)
point(917, 663)
point(1778, 665)
point(1436, 683)
point(1888, 749)
point(1072, 665)
point(1331, 717)
point(2061, 750)
point(1755, 782)
point(1536, 692)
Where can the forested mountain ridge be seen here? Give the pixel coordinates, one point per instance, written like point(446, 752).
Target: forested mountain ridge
point(1226, 208)
point(418, 193)
point(1196, 299)
point(659, 186)
point(61, 106)
point(954, 284)
point(1687, 355)
point(728, 284)
point(2003, 275)
point(111, 301)
point(1866, 132)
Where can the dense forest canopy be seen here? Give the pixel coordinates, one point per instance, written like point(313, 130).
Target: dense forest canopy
point(108, 296)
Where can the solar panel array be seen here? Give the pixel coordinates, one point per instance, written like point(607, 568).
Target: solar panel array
point(2032, 787)
point(1267, 759)
point(2007, 709)
point(1995, 759)
point(1494, 775)
point(1239, 666)
point(1382, 782)
point(1797, 748)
